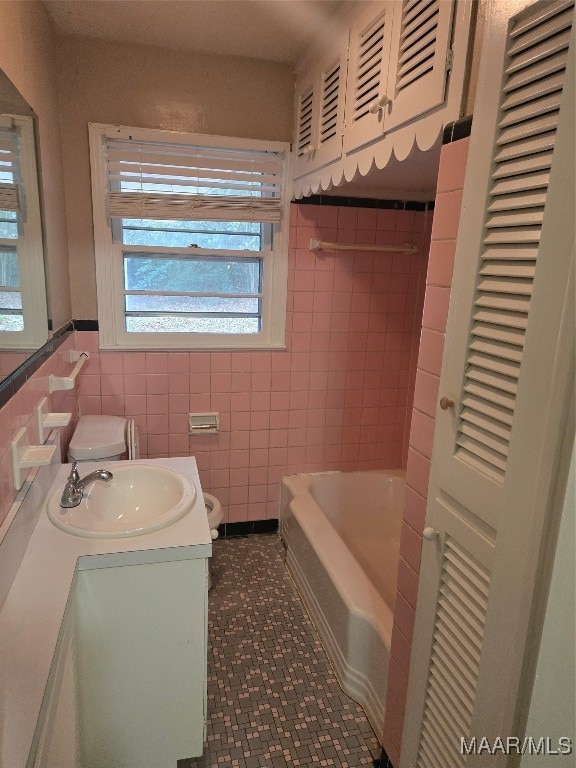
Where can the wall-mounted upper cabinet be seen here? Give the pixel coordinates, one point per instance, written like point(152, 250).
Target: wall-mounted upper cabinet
point(395, 77)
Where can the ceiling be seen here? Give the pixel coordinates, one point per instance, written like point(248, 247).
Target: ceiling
point(270, 30)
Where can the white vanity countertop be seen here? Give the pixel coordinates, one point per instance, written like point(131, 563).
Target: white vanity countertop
point(31, 617)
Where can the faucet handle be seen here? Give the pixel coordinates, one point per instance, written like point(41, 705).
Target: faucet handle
point(74, 477)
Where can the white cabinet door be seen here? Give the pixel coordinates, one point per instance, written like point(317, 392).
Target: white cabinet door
point(331, 99)
point(142, 651)
point(367, 86)
point(306, 128)
point(320, 99)
point(507, 367)
point(419, 60)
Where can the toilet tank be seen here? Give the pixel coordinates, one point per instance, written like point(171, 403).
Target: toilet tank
point(98, 437)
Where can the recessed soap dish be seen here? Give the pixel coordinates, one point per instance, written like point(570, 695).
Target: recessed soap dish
point(25, 456)
point(47, 420)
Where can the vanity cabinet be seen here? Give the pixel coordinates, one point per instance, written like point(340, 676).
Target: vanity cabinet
point(397, 65)
point(141, 663)
point(128, 688)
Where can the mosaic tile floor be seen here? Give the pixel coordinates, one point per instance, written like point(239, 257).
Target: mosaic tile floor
point(273, 699)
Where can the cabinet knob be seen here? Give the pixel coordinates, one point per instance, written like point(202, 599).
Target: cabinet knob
point(430, 534)
point(445, 403)
point(378, 104)
point(308, 150)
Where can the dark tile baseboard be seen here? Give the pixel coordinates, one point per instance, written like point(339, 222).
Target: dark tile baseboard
point(229, 530)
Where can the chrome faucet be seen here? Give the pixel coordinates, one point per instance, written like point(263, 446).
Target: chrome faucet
point(72, 494)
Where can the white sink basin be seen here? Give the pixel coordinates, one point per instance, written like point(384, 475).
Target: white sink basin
point(140, 498)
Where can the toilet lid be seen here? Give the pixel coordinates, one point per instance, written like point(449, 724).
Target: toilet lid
point(98, 437)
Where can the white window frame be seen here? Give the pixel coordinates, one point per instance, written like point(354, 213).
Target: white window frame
point(109, 260)
point(29, 247)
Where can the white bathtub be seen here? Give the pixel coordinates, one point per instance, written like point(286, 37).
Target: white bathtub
point(342, 533)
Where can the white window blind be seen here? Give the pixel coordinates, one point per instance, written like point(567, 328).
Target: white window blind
point(155, 180)
point(9, 198)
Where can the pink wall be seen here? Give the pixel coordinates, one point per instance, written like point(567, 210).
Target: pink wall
point(19, 412)
point(438, 283)
point(336, 399)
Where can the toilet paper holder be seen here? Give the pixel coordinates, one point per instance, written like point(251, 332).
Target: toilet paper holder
point(204, 423)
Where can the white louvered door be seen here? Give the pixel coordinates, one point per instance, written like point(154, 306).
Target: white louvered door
point(419, 59)
point(367, 87)
point(507, 368)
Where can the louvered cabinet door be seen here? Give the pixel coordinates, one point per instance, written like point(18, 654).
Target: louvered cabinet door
point(305, 129)
point(331, 100)
point(507, 369)
point(366, 89)
point(419, 59)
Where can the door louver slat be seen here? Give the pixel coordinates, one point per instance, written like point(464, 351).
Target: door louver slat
point(454, 663)
point(513, 235)
point(507, 303)
point(529, 110)
point(512, 253)
point(492, 318)
point(522, 288)
point(529, 199)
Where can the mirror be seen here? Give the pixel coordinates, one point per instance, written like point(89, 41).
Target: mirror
point(22, 284)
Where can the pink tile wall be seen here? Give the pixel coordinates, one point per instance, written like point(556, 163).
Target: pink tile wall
point(438, 283)
point(20, 412)
point(336, 399)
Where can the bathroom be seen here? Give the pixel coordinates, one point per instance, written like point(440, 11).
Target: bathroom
point(357, 388)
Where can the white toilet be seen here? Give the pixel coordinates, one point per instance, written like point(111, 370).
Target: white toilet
point(112, 438)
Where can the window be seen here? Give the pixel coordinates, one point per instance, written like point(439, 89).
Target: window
point(191, 239)
point(22, 288)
